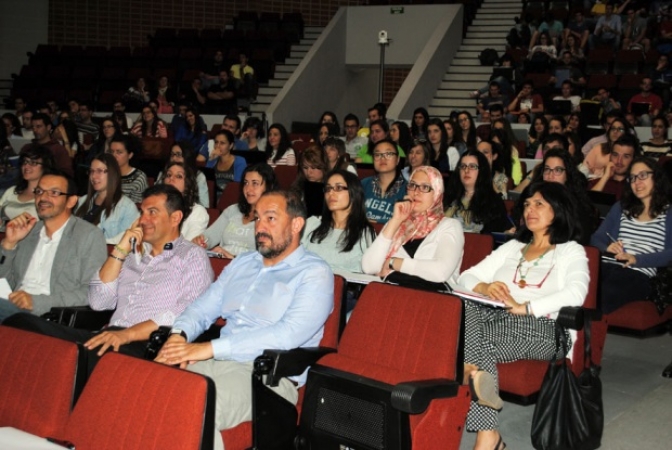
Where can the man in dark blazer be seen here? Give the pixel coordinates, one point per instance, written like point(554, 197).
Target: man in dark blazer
point(50, 261)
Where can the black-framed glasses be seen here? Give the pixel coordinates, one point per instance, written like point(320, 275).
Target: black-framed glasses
point(554, 170)
point(50, 192)
point(424, 188)
point(643, 175)
point(464, 167)
point(386, 155)
point(336, 188)
point(30, 162)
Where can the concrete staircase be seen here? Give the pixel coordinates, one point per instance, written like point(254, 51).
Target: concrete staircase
point(492, 23)
point(284, 71)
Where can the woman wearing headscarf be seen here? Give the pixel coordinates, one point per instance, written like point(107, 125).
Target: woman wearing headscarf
point(418, 240)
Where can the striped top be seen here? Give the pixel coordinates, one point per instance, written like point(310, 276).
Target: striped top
point(642, 238)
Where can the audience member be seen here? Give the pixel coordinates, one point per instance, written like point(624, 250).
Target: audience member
point(183, 178)
point(258, 315)
point(654, 102)
point(27, 124)
point(418, 240)
point(420, 154)
point(192, 130)
point(493, 97)
point(233, 232)
point(325, 130)
point(12, 126)
point(609, 103)
point(342, 234)
point(137, 95)
point(507, 139)
point(534, 275)
point(471, 198)
point(597, 159)
point(637, 234)
point(401, 135)
point(553, 28)
point(104, 205)
point(578, 29)
point(67, 135)
point(279, 151)
point(454, 138)
point(85, 123)
point(165, 96)
point(379, 130)
point(227, 166)
point(119, 114)
point(222, 96)
point(607, 30)
point(42, 128)
point(498, 159)
point(419, 123)
point(184, 152)
point(133, 181)
point(195, 95)
point(607, 119)
point(526, 101)
point(443, 157)
point(634, 31)
point(535, 135)
point(353, 142)
point(567, 94)
point(34, 162)
point(253, 134)
point(387, 186)
point(210, 75)
point(468, 129)
point(38, 278)
point(613, 180)
point(567, 70)
point(243, 73)
point(148, 284)
point(149, 125)
point(659, 144)
point(337, 158)
point(545, 50)
point(108, 129)
point(309, 183)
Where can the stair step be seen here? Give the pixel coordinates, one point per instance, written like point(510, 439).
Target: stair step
point(486, 35)
point(282, 75)
point(454, 94)
point(477, 48)
point(297, 61)
point(276, 83)
point(498, 15)
point(312, 29)
point(258, 109)
point(269, 91)
point(285, 68)
point(461, 85)
point(502, 10)
point(467, 55)
point(483, 77)
point(297, 54)
point(443, 112)
point(265, 99)
point(483, 41)
point(499, 21)
point(300, 47)
point(491, 28)
point(454, 103)
point(470, 70)
point(466, 62)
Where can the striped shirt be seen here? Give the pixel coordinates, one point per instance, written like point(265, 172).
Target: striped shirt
point(642, 238)
point(154, 288)
point(288, 159)
point(134, 184)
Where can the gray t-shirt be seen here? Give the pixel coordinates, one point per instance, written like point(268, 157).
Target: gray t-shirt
point(330, 248)
point(230, 233)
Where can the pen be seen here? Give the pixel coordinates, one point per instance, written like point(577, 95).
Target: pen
point(612, 238)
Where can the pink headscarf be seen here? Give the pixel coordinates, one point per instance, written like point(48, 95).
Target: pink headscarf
point(421, 224)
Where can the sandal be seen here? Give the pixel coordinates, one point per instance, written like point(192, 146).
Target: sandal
point(501, 445)
point(483, 391)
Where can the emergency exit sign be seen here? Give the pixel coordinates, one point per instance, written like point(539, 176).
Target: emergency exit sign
point(396, 10)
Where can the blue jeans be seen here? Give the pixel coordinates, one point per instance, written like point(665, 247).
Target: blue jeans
point(7, 309)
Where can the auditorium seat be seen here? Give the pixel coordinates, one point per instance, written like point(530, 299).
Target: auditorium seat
point(135, 404)
point(41, 381)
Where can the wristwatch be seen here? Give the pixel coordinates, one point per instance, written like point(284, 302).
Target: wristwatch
point(391, 264)
point(180, 332)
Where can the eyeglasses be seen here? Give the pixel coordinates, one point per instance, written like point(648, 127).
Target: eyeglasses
point(464, 167)
point(96, 171)
point(30, 162)
point(424, 188)
point(176, 154)
point(554, 170)
point(388, 155)
point(50, 192)
point(619, 129)
point(643, 175)
point(524, 284)
point(336, 188)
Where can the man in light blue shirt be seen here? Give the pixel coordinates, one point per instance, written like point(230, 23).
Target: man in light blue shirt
point(607, 29)
point(277, 297)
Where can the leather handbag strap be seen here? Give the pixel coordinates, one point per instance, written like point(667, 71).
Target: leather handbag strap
point(587, 357)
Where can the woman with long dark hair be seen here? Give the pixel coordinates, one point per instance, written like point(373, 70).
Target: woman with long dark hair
point(387, 186)
point(401, 135)
point(342, 234)
point(279, 151)
point(182, 177)
point(150, 125)
point(104, 205)
point(454, 137)
point(535, 135)
point(637, 234)
point(133, 181)
point(233, 232)
point(471, 199)
point(253, 134)
point(419, 123)
point(659, 144)
point(192, 129)
point(324, 131)
point(34, 161)
point(66, 132)
point(108, 129)
point(337, 158)
point(444, 157)
point(183, 152)
point(420, 154)
point(227, 166)
point(312, 169)
point(597, 159)
point(468, 127)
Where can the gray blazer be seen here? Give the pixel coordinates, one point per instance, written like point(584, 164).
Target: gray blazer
point(80, 254)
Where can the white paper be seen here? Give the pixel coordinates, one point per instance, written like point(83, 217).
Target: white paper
point(478, 298)
point(5, 290)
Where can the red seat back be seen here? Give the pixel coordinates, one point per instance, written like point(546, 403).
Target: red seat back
point(476, 248)
point(38, 381)
point(229, 195)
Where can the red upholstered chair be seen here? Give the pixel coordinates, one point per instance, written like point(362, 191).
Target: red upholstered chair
point(39, 381)
point(392, 382)
point(476, 248)
point(229, 195)
point(520, 381)
point(286, 175)
point(241, 437)
point(213, 214)
point(218, 264)
point(131, 403)
point(639, 319)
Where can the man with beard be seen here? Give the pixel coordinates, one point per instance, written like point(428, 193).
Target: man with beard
point(277, 297)
point(49, 262)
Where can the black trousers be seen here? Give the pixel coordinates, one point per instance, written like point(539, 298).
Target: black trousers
point(36, 324)
point(620, 286)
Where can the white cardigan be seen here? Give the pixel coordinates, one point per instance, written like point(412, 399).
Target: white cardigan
point(196, 223)
point(437, 259)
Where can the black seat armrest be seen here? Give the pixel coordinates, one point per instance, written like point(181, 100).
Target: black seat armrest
point(82, 317)
point(573, 316)
point(413, 397)
point(277, 364)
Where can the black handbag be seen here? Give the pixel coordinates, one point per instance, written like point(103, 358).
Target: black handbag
point(661, 289)
point(568, 413)
point(415, 282)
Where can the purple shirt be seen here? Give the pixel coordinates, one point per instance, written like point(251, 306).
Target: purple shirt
point(155, 288)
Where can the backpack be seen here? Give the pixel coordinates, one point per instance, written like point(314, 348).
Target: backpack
point(488, 57)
